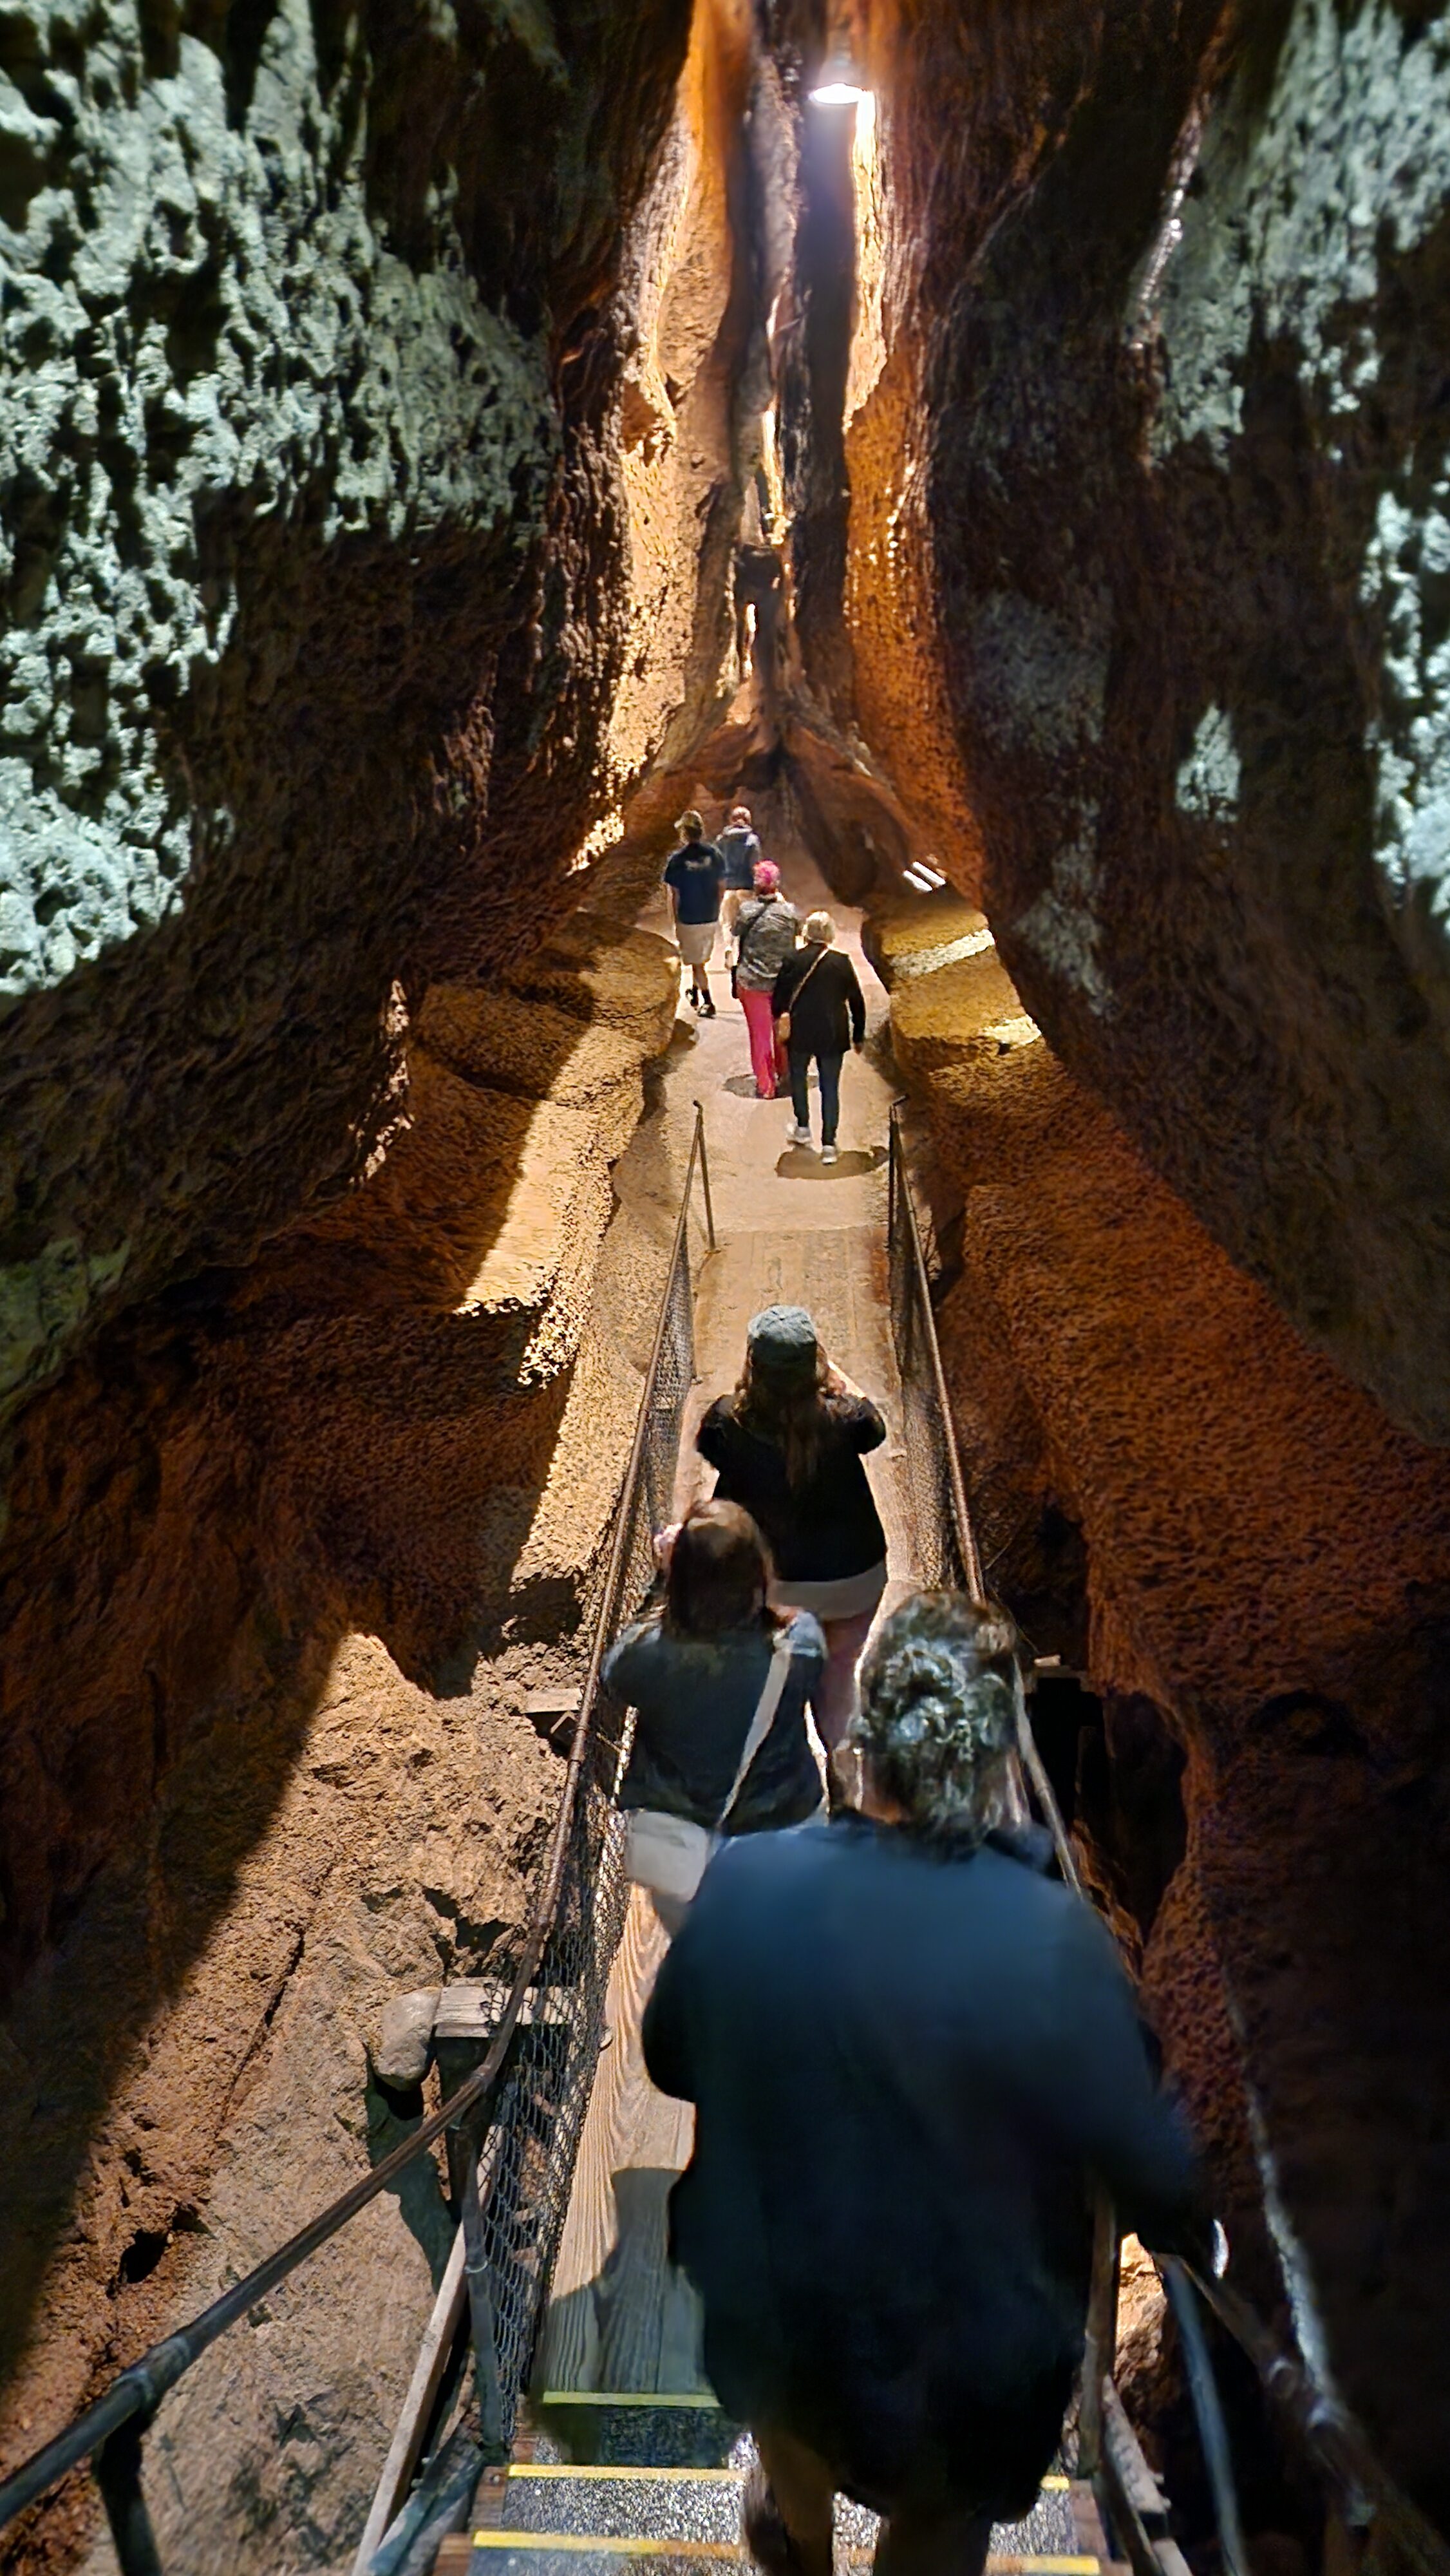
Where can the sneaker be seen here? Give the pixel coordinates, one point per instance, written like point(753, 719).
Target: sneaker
point(829, 1154)
point(795, 1135)
point(707, 1008)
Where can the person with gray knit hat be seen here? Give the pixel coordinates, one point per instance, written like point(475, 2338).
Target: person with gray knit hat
point(788, 1446)
point(914, 2060)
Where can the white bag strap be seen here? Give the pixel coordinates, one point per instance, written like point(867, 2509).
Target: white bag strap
point(764, 1718)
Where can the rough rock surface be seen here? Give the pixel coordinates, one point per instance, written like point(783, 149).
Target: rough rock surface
point(367, 488)
point(316, 581)
point(1164, 322)
point(1267, 1562)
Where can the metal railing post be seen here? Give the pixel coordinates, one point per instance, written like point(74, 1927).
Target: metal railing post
point(117, 2467)
point(699, 1148)
point(478, 2274)
point(1208, 2414)
point(1100, 2344)
point(921, 1316)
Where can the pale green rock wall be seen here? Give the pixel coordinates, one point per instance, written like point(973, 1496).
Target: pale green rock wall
point(1190, 481)
point(312, 582)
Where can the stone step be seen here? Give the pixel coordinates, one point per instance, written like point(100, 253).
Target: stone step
point(676, 2504)
point(553, 2517)
point(692, 2505)
point(493, 2552)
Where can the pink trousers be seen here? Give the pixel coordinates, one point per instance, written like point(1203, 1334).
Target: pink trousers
point(767, 1056)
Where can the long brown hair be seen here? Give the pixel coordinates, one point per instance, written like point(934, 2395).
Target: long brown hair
point(790, 1409)
point(719, 1574)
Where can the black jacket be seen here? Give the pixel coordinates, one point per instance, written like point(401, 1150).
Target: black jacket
point(908, 2066)
point(696, 1698)
point(818, 1023)
point(826, 1529)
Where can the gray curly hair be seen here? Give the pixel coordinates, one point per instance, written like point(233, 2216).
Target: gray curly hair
point(937, 1720)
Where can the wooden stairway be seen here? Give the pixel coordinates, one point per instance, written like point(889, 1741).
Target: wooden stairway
point(662, 2485)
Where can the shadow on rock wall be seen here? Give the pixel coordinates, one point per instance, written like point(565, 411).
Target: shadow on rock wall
point(357, 1434)
point(1265, 1562)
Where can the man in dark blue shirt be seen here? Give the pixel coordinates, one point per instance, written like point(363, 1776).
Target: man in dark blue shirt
point(912, 2058)
point(695, 876)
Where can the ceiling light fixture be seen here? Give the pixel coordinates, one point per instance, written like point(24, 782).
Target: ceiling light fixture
point(839, 83)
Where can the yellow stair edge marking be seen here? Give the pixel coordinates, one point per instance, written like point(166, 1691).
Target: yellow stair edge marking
point(702, 2404)
point(612, 2545)
point(613, 2469)
point(724, 2477)
point(616, 2545)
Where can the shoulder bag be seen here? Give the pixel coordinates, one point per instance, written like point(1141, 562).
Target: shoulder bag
point(783, 1023)
point(667, 1854)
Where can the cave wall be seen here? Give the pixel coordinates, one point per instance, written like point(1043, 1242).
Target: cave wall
point(373, 372)
point(1177, 323)
point(288, 1553)
point(1196, 1510)
point(315, 581)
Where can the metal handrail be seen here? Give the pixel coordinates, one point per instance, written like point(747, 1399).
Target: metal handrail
point(1339, 2449)
point(110, 2430)
point(902, 1209)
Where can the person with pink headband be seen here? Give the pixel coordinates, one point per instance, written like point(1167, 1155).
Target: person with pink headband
point(766, 929)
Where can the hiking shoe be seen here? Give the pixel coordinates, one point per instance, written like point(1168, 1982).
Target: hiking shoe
point(762, 2528)
point(795, 1135)
point(829, 1154)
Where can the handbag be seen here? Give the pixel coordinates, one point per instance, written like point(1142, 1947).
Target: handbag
point(667, 1854)
point(783, 1023)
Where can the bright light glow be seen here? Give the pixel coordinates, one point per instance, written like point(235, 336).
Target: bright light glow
point(919, 879)
point(840, 83)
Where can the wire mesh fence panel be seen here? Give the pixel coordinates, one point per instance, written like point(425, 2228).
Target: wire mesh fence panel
point(942, 1552)
point(539, 2112)
point(531, 2090)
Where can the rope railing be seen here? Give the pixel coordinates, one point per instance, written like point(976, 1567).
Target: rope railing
point(1360, 2489)
point(569, 1939)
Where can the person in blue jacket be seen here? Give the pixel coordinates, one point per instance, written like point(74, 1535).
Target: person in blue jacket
point(695, 876)
point(912, 2057)
point(693, 1667)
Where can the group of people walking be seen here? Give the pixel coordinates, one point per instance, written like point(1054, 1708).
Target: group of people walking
point(801, 995)
point(913, 2055)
